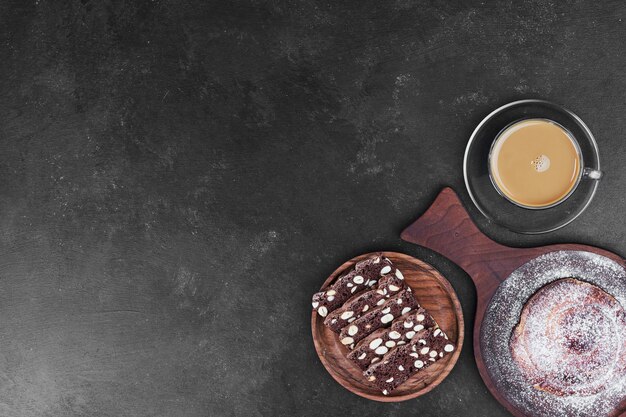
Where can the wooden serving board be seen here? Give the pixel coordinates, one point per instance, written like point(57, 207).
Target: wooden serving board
point(447, 228)
point(434, 293)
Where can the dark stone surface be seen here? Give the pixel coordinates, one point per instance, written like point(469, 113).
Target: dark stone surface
point(178, 178)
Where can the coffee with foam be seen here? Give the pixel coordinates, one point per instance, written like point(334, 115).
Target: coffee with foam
point(535, 163)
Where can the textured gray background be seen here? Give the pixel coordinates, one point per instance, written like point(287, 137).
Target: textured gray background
point(178, 178)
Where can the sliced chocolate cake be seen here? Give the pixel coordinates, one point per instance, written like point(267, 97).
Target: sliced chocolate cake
point(381, 316)
point(365, 274)
point(426, 347)
point(378, 318)
point(372, 348)
point(360, 304)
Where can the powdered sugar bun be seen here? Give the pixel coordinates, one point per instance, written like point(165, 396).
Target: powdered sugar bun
point(569, 340)
point(504, 313)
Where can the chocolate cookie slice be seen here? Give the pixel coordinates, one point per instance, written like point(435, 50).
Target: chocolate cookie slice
point(365, 274)
point(426, 347)
point(375, 346)
point(360, 304)
point(381, 316)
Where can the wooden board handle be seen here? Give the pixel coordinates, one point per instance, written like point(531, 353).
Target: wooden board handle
point(447, 228)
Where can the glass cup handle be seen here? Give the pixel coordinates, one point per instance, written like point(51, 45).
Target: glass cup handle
point(592, 174)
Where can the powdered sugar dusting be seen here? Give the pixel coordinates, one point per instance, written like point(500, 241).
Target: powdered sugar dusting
point(601, 384)
point(570, 338)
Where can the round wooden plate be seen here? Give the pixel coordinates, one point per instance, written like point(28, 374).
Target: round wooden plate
point(434, 293)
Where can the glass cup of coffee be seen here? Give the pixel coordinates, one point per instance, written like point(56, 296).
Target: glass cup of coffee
point(532, 166)
point(537, 163)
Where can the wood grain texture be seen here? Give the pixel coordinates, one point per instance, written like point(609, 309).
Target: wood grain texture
point(447, 228)
point(435, 294)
